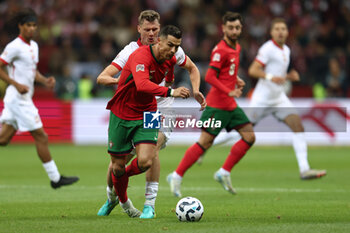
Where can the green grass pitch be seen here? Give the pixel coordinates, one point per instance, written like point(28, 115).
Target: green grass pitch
point(271, 197)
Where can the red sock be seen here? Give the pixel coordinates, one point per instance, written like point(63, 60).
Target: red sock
point(120, 186)
point(133, 168)
point(237, 152)
point(191, 156)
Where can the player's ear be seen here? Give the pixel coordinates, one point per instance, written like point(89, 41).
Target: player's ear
point(138, 29)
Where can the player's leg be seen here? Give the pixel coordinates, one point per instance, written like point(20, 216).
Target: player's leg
point(222, 138)
point(191, 156)
point(240, 122)
point(112, 197)
point(9, 125)
point(152, 180)
point(120, 182)
point(6, 134)
point(42, 148)
point(293, 121)
point(120, 133)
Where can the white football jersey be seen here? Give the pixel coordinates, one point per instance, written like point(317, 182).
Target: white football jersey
point(123, 56)
point(21, 58)
point(275, 60)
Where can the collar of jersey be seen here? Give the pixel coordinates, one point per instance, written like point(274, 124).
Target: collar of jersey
point(230, 45)
point(28, 43)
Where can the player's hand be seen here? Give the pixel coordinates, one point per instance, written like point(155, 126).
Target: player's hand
point(22, 88)
point(293, 76)
point(50, 82)
point(200, 99)
point(236, 92)
point(278, 80)
point(240, 82)
point(182, 92)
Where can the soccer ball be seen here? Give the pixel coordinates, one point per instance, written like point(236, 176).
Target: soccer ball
point(189, 209)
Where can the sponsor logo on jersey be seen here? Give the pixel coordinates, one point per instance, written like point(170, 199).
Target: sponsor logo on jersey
point(140, 67)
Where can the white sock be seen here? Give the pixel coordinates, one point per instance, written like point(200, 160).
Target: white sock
point(111, 195)
point(151, 193)
point(224, 172)
point(300, 149)
point(176, 176)
point(52, 171)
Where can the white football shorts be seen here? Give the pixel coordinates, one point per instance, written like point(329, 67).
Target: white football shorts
point(22, 115)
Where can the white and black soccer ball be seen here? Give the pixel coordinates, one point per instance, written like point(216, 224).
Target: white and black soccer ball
point(189, 209)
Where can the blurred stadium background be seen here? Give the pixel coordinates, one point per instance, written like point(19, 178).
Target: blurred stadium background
point(78, 39)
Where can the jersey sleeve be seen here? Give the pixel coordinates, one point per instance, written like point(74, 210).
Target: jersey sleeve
point(140, 70)
point(122, 57)
point(263, 55)
point(217, 59)
point(9, 54)
point(181, 57)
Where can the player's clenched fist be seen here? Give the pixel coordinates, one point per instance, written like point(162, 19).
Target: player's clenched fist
point(182, 92)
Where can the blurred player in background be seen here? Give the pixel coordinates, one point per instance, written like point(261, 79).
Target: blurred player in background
point(222, 75)
point(272, 67)
point(21, 57)
point(148, 28)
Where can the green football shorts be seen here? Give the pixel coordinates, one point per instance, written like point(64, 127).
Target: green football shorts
point(123, 135)
point(234, 119)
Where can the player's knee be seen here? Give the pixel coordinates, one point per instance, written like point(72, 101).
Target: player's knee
point(206, 145)
point(144, 164)
point(41, 138)
point(118, 169)
point(4, 141)
point(249, 138)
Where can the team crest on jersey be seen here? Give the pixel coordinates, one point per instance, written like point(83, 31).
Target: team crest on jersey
point(216, 57)
point(140, 67)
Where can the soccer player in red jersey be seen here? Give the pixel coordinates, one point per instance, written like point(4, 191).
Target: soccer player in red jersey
point(222, 75)
point(148, 29)
point(138, 86)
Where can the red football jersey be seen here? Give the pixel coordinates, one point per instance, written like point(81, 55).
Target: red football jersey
point(138, 84)
point(225, 60)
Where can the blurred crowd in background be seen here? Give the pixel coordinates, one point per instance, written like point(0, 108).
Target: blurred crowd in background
point(79, 38)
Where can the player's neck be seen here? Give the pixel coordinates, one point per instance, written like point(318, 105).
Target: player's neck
point(156, 53)
point(230, 43)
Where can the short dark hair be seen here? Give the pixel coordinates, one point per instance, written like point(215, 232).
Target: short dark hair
point(171, 30)
point(149, 15)
point(232, 16)
point(278, 20)
point(25, 15)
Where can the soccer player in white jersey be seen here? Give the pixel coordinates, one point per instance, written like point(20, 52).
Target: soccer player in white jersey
point(21, 57)
point(271, 67)
point(148, 27)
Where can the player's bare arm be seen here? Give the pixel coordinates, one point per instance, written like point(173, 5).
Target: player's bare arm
point(3, 75)
point(256, 70)
point(49, 82)
point(106, 77)
point(293, 76)
point(195, 81)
